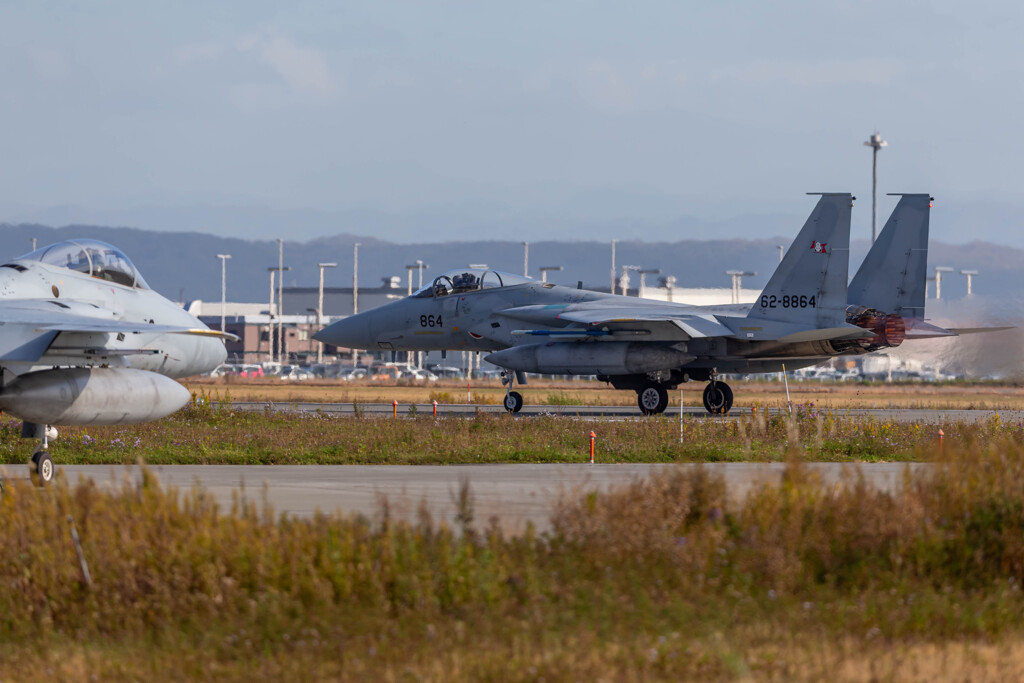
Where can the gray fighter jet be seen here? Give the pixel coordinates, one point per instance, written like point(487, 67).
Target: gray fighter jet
point(801, 318)
point(85, 341)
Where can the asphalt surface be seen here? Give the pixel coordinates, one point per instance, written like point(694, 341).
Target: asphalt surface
point(515, 495)
point(925, 415)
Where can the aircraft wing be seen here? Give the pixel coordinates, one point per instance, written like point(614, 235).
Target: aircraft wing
point(27, 328)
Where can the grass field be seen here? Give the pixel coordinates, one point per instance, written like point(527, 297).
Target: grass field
point(662, 580)
point(210, 433)
point(834, 396)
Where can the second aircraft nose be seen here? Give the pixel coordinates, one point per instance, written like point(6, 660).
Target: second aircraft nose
point(352, 332)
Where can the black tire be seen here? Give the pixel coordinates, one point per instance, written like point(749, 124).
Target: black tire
point(42, 467)
point(652, 399)
point(717, 398)
point(513, 401)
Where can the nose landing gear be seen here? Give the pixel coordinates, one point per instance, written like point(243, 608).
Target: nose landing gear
point(513, 399)
point(41, 468)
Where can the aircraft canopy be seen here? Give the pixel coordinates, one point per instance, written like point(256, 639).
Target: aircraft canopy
point(92, 257)
point(462, 280)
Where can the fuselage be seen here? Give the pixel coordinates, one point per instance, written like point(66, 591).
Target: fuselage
point(60, 289)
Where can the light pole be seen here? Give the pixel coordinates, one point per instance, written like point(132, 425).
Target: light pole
point(969, 274)
point(737, 277)
point(355, 290)
point(280, 302)
point(875, 142)
point(670, 284)
point(526, 259)
point(613, 266)
point(643, 278)
point(782, 251)
point(419, 265)
point(939, 270)
point(223, 288)
point(270, 328)
point(544, 272)
point(320, 308)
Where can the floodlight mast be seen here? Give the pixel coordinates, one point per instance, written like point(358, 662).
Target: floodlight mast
point(939, 270)
point(613, 266)
point(270, 312)
point(737, 276)
point(320, 308)
point(355, 292)
point(223, 288)
point(969, 274)
point(280, 302)
point(875, 142)
point(544, 272)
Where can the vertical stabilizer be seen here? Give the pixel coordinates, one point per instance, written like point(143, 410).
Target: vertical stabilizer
point(892, 277)
point(809, 286)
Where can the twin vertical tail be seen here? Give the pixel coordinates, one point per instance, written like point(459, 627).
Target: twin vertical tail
point(887, 294)
point(893, 275)
point(809, 286)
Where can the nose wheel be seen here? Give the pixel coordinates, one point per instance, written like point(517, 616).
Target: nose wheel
point(717, 398)
point(652, 399)
point(42, 467)
point(513, 401)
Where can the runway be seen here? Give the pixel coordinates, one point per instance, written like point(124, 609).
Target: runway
point(611, 413)
point(515, 495)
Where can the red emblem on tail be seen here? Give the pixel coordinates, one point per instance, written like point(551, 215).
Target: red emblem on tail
point(818, 247)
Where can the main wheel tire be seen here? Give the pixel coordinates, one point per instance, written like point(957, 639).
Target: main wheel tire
point(652, 399)
point(717, 398)
point(43, 467)
point(513, 401)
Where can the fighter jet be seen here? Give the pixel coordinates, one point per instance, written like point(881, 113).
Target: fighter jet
point(85, 341)
point(801, 318)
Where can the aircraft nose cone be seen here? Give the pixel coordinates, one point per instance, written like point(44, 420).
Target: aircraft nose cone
point(351, 332)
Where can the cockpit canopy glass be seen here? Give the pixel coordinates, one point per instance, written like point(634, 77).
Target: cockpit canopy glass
point(95, 258)
point(464, 280)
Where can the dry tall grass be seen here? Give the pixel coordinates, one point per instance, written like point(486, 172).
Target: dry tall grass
point(662, 579)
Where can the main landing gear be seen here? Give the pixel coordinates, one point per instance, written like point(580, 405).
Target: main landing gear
point(652, 398)
point(41, 468)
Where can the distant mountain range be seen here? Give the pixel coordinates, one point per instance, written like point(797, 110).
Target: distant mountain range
point(185, 265)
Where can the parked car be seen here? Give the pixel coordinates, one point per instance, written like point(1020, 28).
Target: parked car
point(251, 371)
point(294, 373)
point(385, 373)
point(354, 373)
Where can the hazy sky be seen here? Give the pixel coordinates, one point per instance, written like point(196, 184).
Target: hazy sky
point(544, 115)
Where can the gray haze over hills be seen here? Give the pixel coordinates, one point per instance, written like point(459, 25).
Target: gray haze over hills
point(185, 264)
point(598, 216)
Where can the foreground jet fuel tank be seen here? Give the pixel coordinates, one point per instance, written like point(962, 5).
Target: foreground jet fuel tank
point(92, 396)
point(589, 358)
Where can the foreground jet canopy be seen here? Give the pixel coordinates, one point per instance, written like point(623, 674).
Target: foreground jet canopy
point(802, 317)
point(85, 341)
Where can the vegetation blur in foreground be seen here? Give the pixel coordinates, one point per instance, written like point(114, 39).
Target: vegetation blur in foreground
point(664, 578)
point(216, 434)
